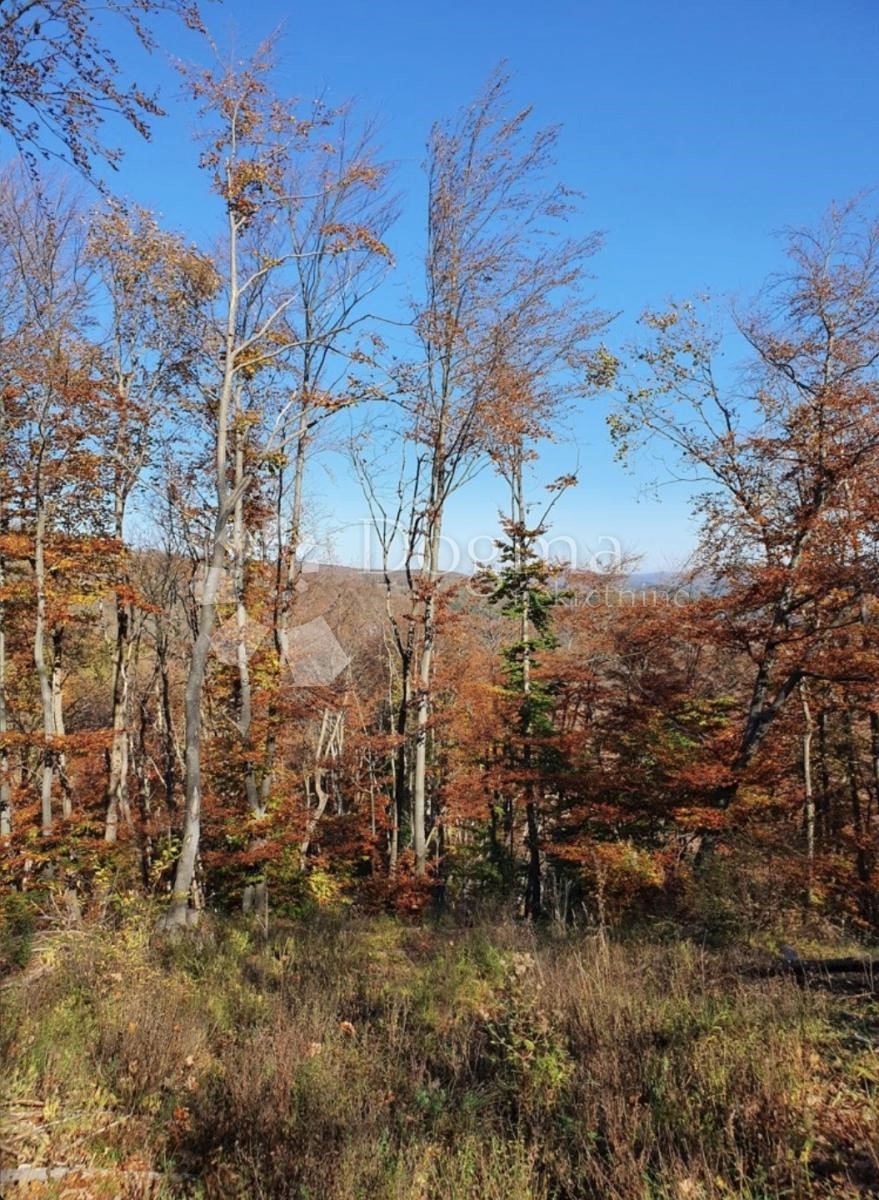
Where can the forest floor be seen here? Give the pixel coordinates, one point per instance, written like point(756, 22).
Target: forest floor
point(348, 1058)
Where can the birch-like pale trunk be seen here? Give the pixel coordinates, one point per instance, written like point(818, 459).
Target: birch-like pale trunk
point(288, 567)
point(329, 745)
point(116, 799)
point(183, 909)
point(43, 669)
point(422, 717)
point(430, 572)
point(58, 719)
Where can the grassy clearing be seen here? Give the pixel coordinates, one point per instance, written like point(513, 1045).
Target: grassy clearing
point(349, 1059)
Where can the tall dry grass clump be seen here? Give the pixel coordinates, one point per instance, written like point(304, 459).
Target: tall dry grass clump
point(348, 1058)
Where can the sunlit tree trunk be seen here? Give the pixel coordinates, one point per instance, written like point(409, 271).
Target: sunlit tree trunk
point(808, 793)
point(179, 912)
point(116, 799)
point(43, 669)
point(5, 783)
point(424, 683)
point(329, 746)
point(58, 720)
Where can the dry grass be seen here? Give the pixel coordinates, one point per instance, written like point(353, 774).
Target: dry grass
point(355, 1059)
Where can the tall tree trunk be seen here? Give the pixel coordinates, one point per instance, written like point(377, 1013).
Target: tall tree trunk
point(426, 648)
point(58, 717)
point(255, 894)
point(182, 910)
point(287, 568)
point(245, 690)
point(422, 716)
point(862, 854)
point(5, 780)
point(179, 912)
point(43, 671)
point(286, 572)
point(165, 718)
point(808, 794)
point(533, 896)
point(116, 799)
point(400, 802)
point(140, 759)
point(825, 804)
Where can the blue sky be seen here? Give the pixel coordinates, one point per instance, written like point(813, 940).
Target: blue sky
point(696, 130)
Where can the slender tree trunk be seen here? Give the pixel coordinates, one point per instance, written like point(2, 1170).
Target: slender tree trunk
point(179, 912)
point(5, 781)
point(425, 672)
point(422, 716)
point(329, 745)
point(58, 716)
point(165, 718)
point(116, 799)
point(289, 566)
point(400, 708)
point(808, 794)
point(862, 855)
point(255, 896)
point(245, 690)
point(533, 892)
point(286, 571)
point(43, 671)
point(825, 804)
point(144, 788)
point(400, 803)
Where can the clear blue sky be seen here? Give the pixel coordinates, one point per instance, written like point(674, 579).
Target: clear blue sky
point(697, 130)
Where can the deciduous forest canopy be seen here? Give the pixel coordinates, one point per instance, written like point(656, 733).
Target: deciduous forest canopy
point(200, 713)
point(202, 708)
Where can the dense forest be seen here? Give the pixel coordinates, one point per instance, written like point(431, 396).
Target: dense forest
point(201, 711)
point(205, 725)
